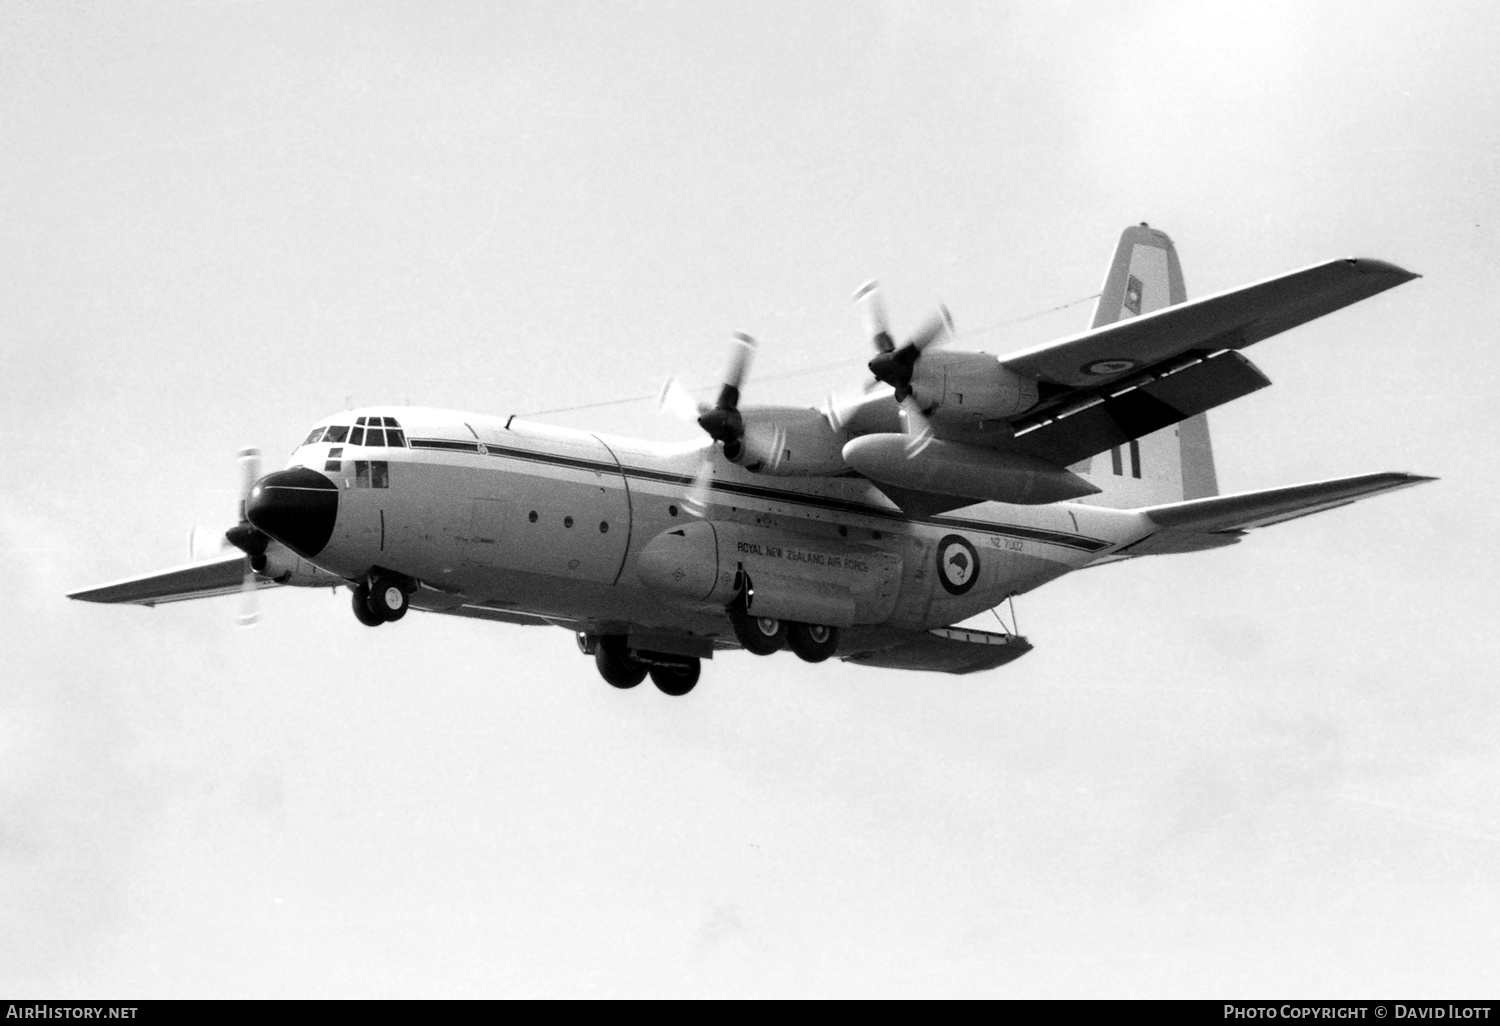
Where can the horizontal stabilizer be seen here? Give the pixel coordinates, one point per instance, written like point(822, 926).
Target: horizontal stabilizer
point(224, 576)
point(1208, 523)
point(948, 650)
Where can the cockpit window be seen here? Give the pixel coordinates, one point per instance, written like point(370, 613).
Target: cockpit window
point(337, 434)
point(317, 433)
point(373, 431)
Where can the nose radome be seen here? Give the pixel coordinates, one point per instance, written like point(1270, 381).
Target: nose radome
point(297, 507)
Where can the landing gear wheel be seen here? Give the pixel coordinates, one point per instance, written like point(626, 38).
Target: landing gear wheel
point(362, 611)
point(676, 680)
point(387, 599)
point(759, 634)
point(615, 663)
point(812, 641)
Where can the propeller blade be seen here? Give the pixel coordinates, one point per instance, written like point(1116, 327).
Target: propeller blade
point(249, 614)
point(700, 492)
point(895, 367)
point(734, 374)
point(918, 428)
point(839, 405)
point(871, 305)
point(243, 535)
point(249, 460)
point(677, 401)
point(723, 421)
point(938, 326)
point(205, 542)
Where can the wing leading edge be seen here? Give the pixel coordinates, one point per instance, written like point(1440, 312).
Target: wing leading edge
point(1227, 320)
point(224, 576)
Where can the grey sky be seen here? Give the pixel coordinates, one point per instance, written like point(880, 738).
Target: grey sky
point(1264, 770)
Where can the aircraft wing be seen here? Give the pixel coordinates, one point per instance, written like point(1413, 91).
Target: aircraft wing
point(1228, 320)
point(1129, 378)
point(1222, 520)
point(223, 576)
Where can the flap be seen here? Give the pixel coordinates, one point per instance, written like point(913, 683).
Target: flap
point(1161, 402)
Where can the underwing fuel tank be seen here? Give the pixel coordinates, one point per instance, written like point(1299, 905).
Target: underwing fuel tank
point(956, 468)
point(786, 576)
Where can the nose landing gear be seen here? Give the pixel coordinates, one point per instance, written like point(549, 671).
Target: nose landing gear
point(381, 599)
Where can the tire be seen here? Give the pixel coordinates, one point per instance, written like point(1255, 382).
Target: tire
point(676, 680)
point(387, 599)
point(812, 642)
point(758, 634)
point(615, 663)
point(362, 611)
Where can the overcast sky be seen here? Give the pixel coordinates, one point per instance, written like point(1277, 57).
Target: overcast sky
point(1267, 770)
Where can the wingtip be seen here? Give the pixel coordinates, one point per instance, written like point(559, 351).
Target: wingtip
point(1370, 265)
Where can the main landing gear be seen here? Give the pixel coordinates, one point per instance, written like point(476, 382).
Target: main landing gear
point(381, 599)
point(625, 667)
point(764, 635)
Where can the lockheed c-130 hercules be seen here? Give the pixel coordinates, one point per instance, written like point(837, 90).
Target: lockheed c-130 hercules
point(864, 530)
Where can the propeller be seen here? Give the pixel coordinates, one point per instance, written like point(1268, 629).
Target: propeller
point(893, 365)
point(248, 539)
point(722, 420)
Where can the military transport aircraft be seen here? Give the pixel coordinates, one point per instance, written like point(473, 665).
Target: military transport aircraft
point(863, 530)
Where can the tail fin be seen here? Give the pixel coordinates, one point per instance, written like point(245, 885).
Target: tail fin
point(1175, 463)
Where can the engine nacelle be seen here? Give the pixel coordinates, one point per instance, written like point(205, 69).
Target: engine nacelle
point(968, 387)
point(790, 441)
point(284, 566)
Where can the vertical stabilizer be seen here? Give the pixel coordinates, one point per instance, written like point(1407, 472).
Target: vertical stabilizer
point(1174, 463)
point(1143, 276)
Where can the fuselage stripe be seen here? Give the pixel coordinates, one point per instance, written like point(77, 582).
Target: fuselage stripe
point(1072, 541)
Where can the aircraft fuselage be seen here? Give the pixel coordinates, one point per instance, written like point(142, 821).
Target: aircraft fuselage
point(519, 521)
